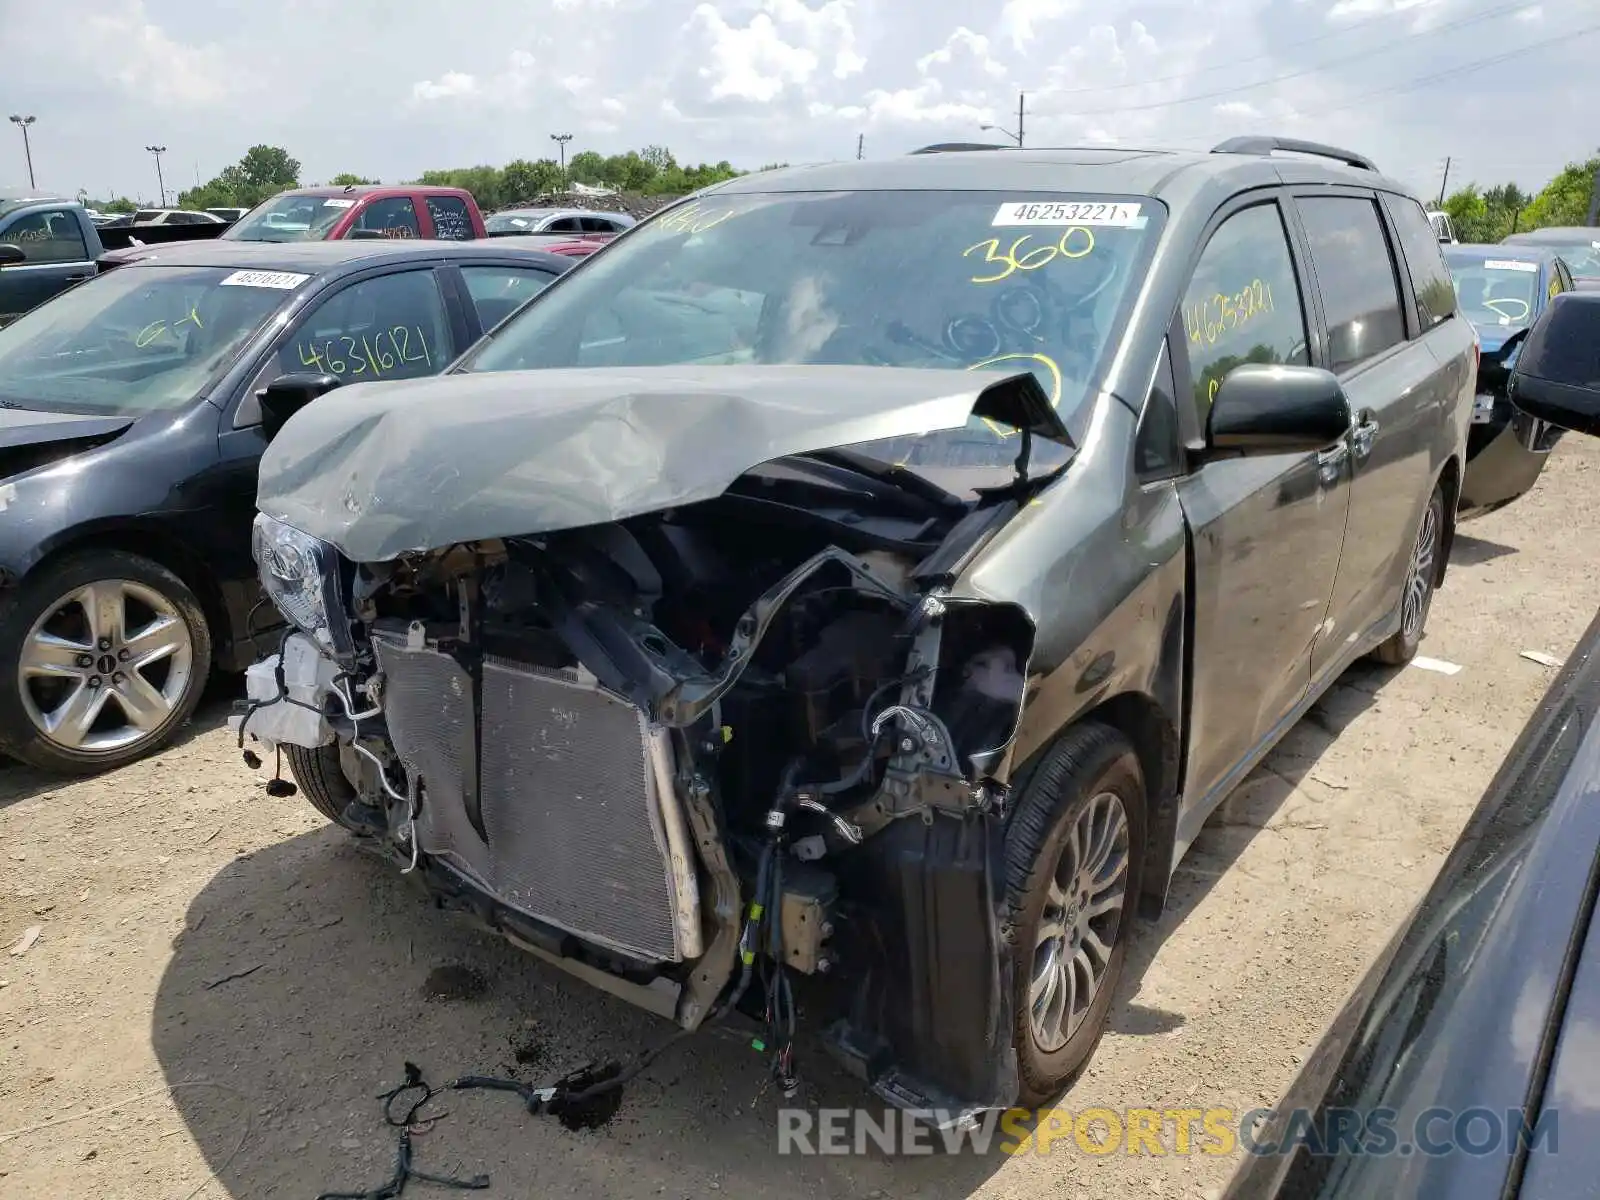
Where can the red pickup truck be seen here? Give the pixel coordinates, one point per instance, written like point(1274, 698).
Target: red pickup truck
point(328, 213)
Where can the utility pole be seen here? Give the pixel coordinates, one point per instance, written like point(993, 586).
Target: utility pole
point(1443, 183)
point(158, 151)
point(861, 143)
point(1017, 136)
point(561, 140)
point(22, 123)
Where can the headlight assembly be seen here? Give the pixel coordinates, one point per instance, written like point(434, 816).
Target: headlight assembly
point(301, 576)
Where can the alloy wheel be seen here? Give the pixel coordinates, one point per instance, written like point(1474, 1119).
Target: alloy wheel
point(105, 666)
point(1419, 576)
point(1080, 922)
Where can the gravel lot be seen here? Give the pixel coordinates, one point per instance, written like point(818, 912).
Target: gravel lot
point(222, 983)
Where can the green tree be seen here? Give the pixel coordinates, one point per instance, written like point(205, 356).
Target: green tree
point(1565, 199)
point(348, 180)
point(523, 181)
point(586, 166)
point(485, 183)
point(264, 171)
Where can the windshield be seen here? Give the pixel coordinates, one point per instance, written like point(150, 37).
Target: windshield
point(1495, 291)
point(513, 222)
point(1582, 258)
point(291, 218)
point(136, 340)
point(975, 280)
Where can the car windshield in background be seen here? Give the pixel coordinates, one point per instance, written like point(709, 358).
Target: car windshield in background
point(1582, 258)
point(512, 222)
point(291, 219)
point(136, 340)
point(1501, 290)
point(971, 280)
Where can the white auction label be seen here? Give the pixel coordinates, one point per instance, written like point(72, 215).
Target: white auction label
point(285, 281)
point(1507, 264)
point(1122, 213)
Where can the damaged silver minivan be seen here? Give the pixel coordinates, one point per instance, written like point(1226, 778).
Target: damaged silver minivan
point(873, 572)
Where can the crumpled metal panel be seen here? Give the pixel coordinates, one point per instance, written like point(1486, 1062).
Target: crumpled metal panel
point(568, 800)
point(419, 464)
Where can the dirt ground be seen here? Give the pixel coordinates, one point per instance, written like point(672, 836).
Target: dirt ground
point(222, 983)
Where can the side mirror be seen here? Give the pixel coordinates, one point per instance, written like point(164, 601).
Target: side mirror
point(1261, 408)
point(287, 395)
point(11, 255)
point(1557, 377)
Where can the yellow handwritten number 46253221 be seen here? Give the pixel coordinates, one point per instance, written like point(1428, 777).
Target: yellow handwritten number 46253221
point(1016, 259)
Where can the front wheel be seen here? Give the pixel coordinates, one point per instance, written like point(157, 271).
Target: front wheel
point(322, 781)
point(1416, 594)
point(1074, 852)
point(109, 652)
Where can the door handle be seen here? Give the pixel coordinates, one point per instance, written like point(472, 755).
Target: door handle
point(79, 278)
point(1333, 457)
point(1363, 435)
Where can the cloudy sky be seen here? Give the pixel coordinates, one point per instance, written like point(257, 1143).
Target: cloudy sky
point(390, 89)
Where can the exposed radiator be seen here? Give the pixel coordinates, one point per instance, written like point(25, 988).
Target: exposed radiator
point(583, 831)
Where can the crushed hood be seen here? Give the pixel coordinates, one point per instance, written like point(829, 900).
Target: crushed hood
point(380, 469)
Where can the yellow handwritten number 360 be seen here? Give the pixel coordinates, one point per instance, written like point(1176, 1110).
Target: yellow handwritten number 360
point(1016, 259)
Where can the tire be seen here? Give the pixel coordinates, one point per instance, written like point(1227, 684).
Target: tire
point(322, 781)
point(77, 700)
point(1416, 591)
point(1086, 779)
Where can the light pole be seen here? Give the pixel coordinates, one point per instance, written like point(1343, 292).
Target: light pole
point(1017, 136)
point(22, 123)
point(561, 140)
point(161, 183)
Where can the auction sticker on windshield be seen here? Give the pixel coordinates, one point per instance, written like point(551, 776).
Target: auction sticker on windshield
point(1506, 264)
point(285, 281)
point(338, 204)
point(1079, 212)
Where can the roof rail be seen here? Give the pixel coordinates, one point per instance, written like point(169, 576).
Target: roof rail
point(953, 147)
point(1266, 145)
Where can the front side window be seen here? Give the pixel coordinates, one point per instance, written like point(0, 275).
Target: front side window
point(1243, 304)
point(1355, 274)
point(965, 280)
point(291, 218)
point(564, 225)
point(388, 327)
point(393, 217)
point(138, 339)
point(49, 236)
point(497, 292)
point(1430, 277)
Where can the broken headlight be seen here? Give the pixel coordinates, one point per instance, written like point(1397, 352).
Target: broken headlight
point(301, 576)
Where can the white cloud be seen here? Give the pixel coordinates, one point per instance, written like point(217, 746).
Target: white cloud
point(757, 81)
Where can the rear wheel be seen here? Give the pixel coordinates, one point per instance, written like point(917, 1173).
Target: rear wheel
point(111, 654)
point(1074, 850)
point(1416, 594)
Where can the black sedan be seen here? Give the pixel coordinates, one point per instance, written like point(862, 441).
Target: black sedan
point(130, 427)
point(1466, 1066)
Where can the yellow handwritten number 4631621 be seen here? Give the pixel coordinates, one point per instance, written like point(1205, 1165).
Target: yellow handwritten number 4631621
point(1016, 259)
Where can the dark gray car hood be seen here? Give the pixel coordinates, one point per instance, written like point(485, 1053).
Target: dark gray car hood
point(384, 468)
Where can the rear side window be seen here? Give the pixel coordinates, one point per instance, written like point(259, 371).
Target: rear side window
point(1430, 277)
point(1243, 304)
point(450, 219)
point(1355, 273)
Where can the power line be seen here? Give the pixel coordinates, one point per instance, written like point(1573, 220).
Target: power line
point(1354, 27)
point(1424, 80)
point(1288, 75)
